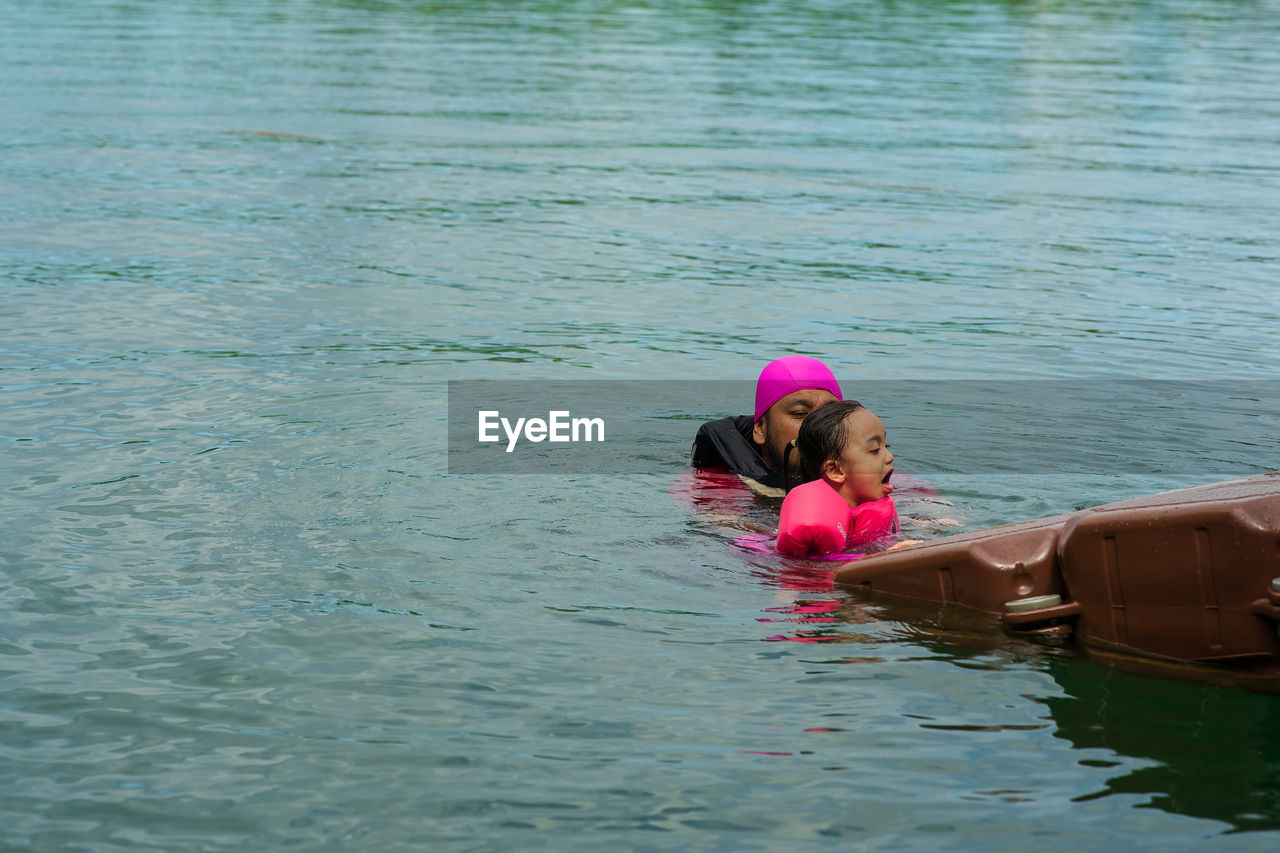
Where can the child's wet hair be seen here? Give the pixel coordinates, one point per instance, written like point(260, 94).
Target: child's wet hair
point(822, 437)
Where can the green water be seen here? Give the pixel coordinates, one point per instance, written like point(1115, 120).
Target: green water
point(245, 244)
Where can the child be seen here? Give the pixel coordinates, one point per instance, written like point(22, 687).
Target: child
point(845, 467)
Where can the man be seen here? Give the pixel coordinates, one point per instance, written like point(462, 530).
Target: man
point(755, 448)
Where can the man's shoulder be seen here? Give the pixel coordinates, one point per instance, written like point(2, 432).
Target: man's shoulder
point(719, 441)
point(727, 443)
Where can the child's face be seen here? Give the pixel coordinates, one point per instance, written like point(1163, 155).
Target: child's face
point(862, 472)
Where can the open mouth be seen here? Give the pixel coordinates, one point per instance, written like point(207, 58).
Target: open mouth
point(888, 487)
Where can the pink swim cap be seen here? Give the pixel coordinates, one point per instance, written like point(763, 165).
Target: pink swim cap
point(783, 376)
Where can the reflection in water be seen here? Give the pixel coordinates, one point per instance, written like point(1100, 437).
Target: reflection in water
point(1217, 753)
point(807, 600)
point(1212, 750)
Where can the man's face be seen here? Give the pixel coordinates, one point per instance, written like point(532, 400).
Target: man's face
point(781, 424)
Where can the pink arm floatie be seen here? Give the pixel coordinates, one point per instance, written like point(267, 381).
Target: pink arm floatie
point(816, 520)
point(873, 520)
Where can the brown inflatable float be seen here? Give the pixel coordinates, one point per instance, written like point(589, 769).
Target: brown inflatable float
point(1150, 583)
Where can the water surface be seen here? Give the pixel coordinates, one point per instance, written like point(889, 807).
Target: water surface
point(245, 245)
